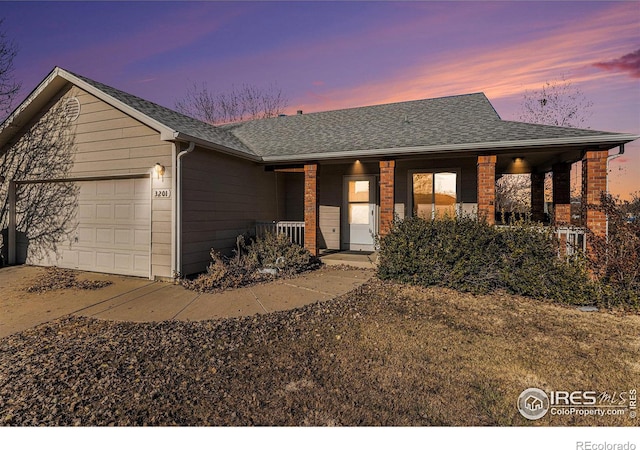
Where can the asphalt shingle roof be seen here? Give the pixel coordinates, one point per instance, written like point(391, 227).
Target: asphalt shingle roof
point(462, 119)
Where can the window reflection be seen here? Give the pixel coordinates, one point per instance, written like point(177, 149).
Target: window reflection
point(434, 194)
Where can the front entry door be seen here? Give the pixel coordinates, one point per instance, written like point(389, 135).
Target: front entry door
point(360, 212)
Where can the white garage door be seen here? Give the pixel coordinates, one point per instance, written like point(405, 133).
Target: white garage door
point(113, 229)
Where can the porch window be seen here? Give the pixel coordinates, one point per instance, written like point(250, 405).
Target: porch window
point(434, 194)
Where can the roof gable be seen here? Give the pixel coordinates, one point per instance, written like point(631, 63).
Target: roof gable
point(171, 125)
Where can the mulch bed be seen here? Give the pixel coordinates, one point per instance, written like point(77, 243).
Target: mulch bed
point(55, 278)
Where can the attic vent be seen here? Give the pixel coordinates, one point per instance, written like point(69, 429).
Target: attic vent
point(72, 109)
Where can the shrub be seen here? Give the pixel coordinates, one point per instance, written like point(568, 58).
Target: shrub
point(472, 256)
point(278, 252)
point(243, 268)
point(615, 259)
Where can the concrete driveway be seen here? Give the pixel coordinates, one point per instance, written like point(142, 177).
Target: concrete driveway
point(140, 300)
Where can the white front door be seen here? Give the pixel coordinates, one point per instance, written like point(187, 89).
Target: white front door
point(360, 213)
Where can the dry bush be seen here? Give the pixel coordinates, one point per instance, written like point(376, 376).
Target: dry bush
point(244, 267)
point(615, 259)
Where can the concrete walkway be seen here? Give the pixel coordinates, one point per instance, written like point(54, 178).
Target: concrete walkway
point(139, 300)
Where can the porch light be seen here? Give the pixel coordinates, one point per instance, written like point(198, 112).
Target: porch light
point(518, 160)
point(159, 169)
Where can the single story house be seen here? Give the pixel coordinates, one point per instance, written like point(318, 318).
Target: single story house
point(150, 191)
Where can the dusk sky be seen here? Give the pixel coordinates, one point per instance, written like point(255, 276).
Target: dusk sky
point(328, 55)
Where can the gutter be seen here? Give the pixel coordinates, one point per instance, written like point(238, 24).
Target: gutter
point(177, 136)
point(452, 148)
point(177, 185)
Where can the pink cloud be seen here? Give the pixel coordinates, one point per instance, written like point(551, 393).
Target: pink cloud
point(628, 63)
point(501, 71)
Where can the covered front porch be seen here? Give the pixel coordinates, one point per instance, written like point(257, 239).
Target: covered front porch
point(345, 205)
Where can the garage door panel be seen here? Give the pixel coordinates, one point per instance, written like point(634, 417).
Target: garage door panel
point(112, 232)
point(86, 211)
point(70, 257)
point(141, 238)
point(142, 188)
point(123, 211)
point(106, 188)
point(142, 212)
point(87, 190)
point(104, 236)
point(86, 258)
point(105, 260)
point(140, 263)
point(123, 236)
point(85, 235)
point(104, 211)
point(123, 262)
point(125, 188)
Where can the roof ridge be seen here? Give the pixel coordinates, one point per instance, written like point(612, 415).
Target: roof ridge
point(356, 108)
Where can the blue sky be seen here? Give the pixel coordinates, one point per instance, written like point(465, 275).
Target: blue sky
point(327, 55)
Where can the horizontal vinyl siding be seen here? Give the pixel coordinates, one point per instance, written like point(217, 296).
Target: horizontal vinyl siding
point(108, 143)
point(222, 197)
point(293, 196)
point(330, 208)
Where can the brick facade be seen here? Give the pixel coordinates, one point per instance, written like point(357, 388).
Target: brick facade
point(311, 208)
point(537, 197)
point(487, 188)
point(387, 179)
point(561, 194)
point(594, 182)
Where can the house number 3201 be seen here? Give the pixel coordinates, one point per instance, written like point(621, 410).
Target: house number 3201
point(161, 193)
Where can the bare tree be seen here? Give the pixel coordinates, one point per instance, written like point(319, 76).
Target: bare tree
point(45, 211)
point(244, 103)
point(558, 103)
point(513, 193)
point(9, 87)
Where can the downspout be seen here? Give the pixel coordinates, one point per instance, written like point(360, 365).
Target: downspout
point(611, 158)
point(178, 207)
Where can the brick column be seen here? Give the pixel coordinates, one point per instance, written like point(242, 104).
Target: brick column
point(561, 194)
point(387, 179)
point(594, 182)
point(537, 197)
point(487, 188)
point(311, 208)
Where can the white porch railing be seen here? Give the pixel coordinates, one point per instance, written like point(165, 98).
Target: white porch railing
point(574, 237)
point(293, 229)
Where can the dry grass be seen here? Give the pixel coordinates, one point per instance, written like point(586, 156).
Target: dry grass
point(467, 358)
point(384, 354)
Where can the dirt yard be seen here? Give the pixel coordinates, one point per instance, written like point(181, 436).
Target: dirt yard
point(384, 354)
